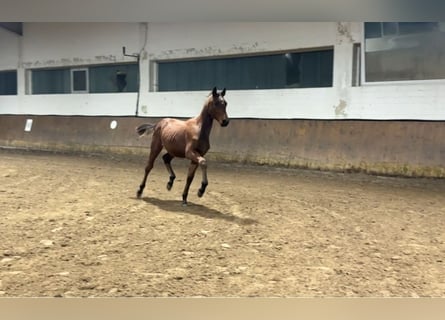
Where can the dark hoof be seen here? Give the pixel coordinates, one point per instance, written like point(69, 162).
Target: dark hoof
point(200, 193)
point(138, 194)
point(169, 186)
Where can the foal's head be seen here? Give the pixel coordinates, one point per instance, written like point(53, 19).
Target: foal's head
point(216, 107)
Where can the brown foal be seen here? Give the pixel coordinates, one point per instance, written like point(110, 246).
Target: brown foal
point(185, 139)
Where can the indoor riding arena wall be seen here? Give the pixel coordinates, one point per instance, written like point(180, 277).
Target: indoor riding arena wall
point(405, 148)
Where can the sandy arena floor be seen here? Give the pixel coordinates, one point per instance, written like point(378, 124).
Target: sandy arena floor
point(71, 226)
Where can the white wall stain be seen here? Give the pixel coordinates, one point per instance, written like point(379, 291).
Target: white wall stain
point(209, 51)
point(344, 32)
point(144, 109)
point(64, 62)
point(340, 109)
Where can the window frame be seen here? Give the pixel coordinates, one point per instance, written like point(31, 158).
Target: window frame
point(87, 83)
point(357, 65)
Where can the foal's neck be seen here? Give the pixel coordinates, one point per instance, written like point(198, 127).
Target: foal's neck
point(205, 121)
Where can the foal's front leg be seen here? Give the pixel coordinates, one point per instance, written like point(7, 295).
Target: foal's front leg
point(197, 160)
point(190, 175)
point(205, 182)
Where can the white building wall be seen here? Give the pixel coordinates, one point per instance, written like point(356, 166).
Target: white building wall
point(77, 44)
point(47, 45)
point(71, 44)
point(10, 54)
point(178, 41)
point(175, 41)
point(9, 50)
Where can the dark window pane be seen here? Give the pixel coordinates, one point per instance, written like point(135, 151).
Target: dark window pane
point(51, 81)
point(80, 80)
point(166, 76)
point(233, 76)
point(326, 67)
point(293, 75)
point(373, 30)
point(309, 73)
point(389, 28)
point(416, 52)
point(416, 27)
point(8, 82)
point(254, 72)
point(113, 78)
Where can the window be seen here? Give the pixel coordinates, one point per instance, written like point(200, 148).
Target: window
point(79, 80)
point(51, 81)
point(114, 78)
point(276, 71)
point(8, 82)
point(400, 51)
point(93, 79)
point(373, 30)
point(390, 28)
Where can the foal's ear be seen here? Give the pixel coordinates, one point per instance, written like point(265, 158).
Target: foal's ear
point(214, 92)
point(223, 93)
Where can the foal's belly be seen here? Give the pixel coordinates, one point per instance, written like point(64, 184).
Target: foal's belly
point(176, 147)
point(173, 135)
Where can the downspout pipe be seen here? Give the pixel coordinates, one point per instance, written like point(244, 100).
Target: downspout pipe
point(138, 58)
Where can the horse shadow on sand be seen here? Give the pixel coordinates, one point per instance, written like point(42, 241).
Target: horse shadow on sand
point(197, 210)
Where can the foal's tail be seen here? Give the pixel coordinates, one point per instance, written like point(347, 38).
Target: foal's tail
point(145, 128)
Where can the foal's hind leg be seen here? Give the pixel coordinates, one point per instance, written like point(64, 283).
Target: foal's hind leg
point(155, 149)
point(167, 160)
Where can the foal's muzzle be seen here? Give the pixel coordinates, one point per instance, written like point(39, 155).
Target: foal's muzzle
point(225, 123)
